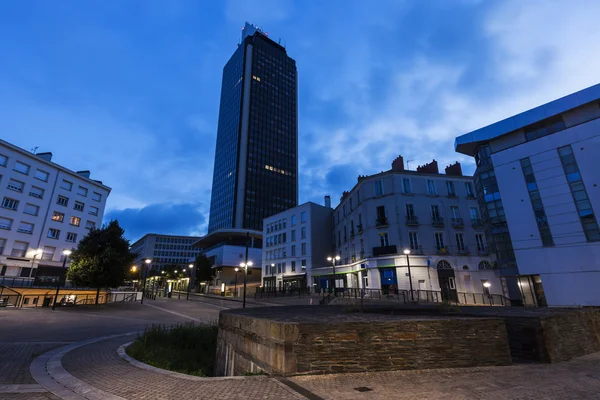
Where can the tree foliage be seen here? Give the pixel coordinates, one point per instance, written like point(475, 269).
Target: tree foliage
point(102, 258)
point(204, 270)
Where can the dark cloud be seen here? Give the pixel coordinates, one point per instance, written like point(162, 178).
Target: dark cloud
point(175, 219)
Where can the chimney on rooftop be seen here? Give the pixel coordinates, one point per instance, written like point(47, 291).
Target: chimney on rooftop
point(328, 201)
point(430, 168)
point(45, 156)
point(454, 169)
point(85, 174)
point(398, 164)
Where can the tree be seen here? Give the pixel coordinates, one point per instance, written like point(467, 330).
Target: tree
point(102, 259)
point(204, 270)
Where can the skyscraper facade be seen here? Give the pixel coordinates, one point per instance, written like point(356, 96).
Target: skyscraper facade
point(256, 159)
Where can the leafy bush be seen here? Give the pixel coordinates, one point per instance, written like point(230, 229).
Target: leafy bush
point(187, 348)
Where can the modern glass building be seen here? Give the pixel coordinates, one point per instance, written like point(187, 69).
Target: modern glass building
point(536, 185)
point(256, 159)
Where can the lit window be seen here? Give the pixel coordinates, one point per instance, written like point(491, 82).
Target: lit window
point(58, 216)
point(75, 221)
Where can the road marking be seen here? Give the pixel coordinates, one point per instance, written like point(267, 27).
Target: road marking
point(176, 313)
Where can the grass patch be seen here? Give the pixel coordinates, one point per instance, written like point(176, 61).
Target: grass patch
point(188, 348)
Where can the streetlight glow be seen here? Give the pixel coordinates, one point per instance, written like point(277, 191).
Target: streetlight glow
point(236, 269)
point(175, 271)
point(487, 284)
point(191, 266)
point(406, 251)
point(148, 260)
point(66, 252)
point(134, 268)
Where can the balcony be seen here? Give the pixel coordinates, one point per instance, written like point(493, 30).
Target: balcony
point(458, 222)
point(384, 250)
point(381, 222)
point(412, 220)
point(477, 223)
point(437, 221)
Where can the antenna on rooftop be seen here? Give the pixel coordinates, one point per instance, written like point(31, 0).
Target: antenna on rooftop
point(407, 161)
point(34, 150)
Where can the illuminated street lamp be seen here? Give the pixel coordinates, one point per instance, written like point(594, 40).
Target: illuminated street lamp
point(147, 261)
point(235, 284)
point(36, 253)
point(191, 268)
point(487, 285)
point(245, 265)
point(332, 260)
point(66, 254)
point(407, 252)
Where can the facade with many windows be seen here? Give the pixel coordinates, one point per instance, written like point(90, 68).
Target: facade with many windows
point(256, 157)
point(165, 250)
point(536, 181)
point(44, 210)
point(295, 241)
point(434, 216)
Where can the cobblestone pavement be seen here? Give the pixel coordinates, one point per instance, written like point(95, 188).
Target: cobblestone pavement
point(577, 379)
point(99, 365)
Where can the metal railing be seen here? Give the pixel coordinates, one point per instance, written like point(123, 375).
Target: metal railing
point(416, 296)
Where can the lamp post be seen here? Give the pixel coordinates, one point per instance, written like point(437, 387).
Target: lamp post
point(333, 260)
point(191, 268)
point(35, 254)
point(245, 266)
point(235, 284)
point(486, 286)
point(147, 261)
point(133, 269)
point(407, 252)
point(66, 253)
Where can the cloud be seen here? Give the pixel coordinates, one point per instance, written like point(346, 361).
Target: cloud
point(175, 219)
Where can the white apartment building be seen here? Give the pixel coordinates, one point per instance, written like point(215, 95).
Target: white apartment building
point(433, 215)
point(165, 250)
point(226, 249)
point(537, 177)
point(296, 241)
point(44, 209)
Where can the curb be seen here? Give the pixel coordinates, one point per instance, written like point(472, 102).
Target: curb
point(123, 354)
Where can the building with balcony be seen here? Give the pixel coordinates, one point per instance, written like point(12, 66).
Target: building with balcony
point(296, 241)
point(434, 216)
point(45, 209)
point(536, 183)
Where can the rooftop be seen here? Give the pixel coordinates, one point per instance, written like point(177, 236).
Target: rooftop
point(223, 235)
point(467, 143)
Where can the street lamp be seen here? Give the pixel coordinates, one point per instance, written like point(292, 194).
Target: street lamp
point(333, 260)
point(147, 261)
point(487, 285)
point(407, 252)
point(36, 253)
point(245, 265)
point(66, 254)
point(191, 268)
point(235, 284)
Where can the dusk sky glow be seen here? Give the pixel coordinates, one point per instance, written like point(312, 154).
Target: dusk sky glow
point(130, 89)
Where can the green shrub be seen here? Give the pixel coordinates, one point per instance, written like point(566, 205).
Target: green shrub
point(187, 348)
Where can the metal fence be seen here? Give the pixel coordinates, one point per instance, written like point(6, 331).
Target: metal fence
point(418, 297)
point(11, 298)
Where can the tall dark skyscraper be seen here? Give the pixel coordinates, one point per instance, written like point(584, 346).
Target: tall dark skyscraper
point(256, 159)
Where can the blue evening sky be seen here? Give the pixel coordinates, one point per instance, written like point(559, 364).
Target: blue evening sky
point(130, 89)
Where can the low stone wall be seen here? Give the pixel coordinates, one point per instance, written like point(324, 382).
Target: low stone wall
point(316, 340)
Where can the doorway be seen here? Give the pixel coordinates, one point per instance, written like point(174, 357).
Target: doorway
point(447, 281)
